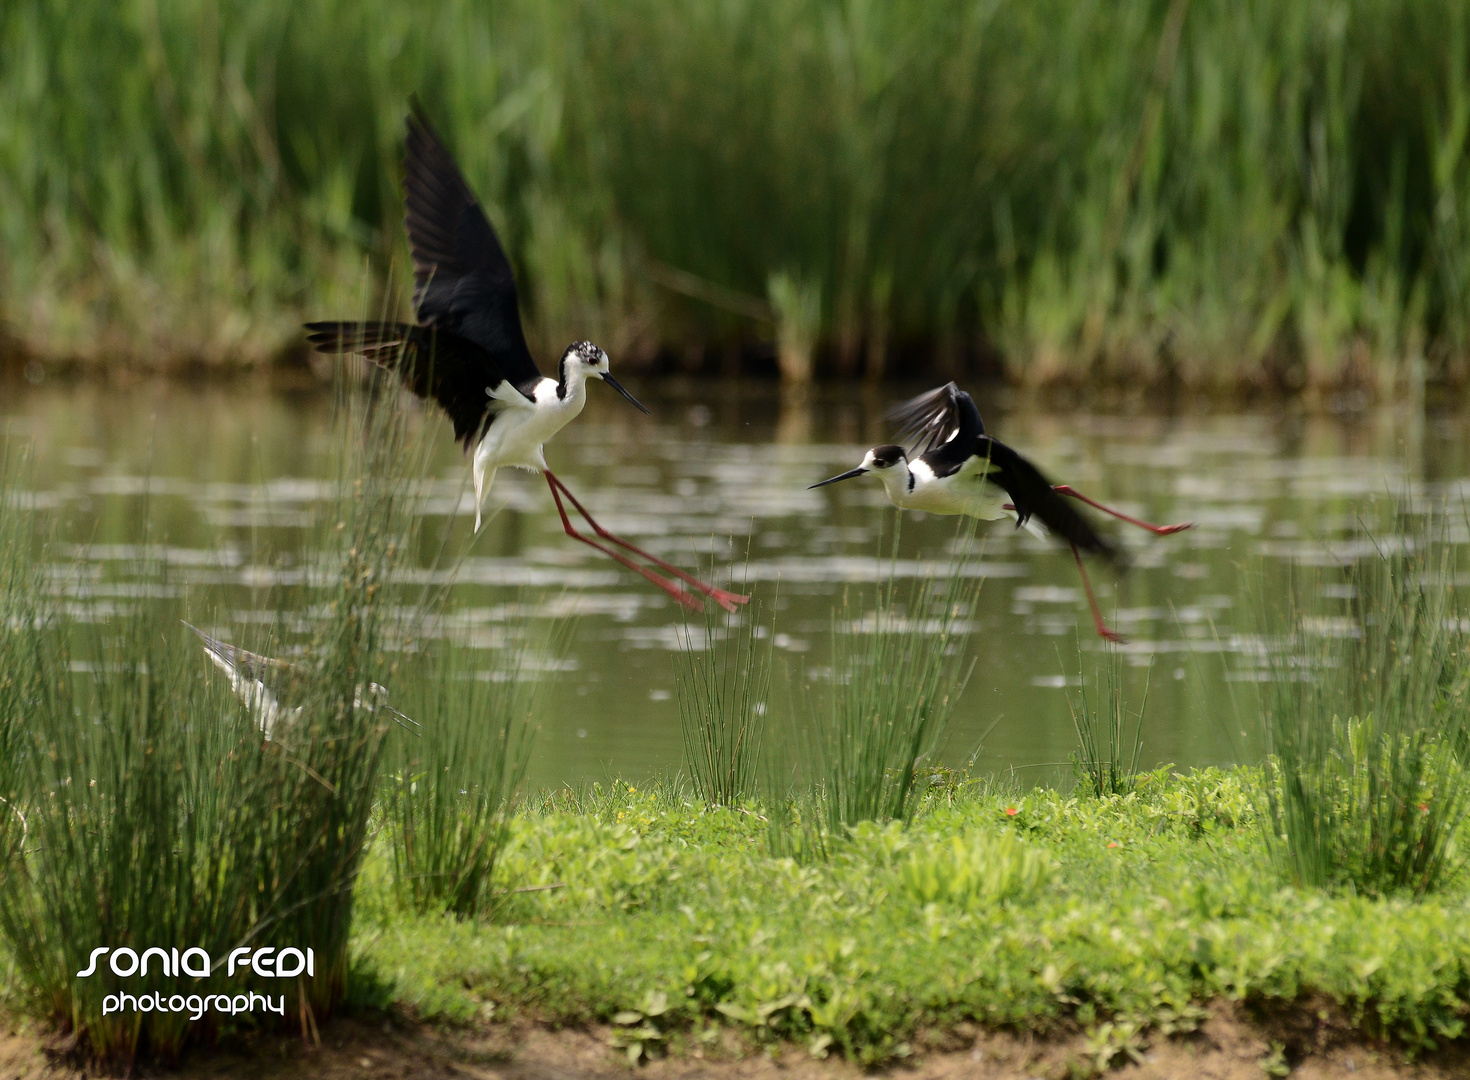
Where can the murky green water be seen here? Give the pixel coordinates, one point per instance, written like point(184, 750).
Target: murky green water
point(719, 475)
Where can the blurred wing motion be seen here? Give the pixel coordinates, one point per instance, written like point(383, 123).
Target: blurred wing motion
point(951, 438)
point(468, 351)
point(934, 419)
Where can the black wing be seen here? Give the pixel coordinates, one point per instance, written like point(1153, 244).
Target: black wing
point(934, 418)
point(462, 280)
point(1032, 494)
point(434, 364)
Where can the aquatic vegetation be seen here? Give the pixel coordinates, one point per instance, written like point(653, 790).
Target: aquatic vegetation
point(974, 870)
point(898, 672)
point(723, 679)
point(1366, 722)
point(1206, 192)
point(154, 817)
point(1109, 748)
point(447, 796)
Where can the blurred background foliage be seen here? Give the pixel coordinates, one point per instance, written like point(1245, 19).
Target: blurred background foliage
point(1212, 192)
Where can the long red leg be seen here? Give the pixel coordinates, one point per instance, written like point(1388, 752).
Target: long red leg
point(691, 602)
point(1103, 630)
point(725, 599)
point(1158, 530)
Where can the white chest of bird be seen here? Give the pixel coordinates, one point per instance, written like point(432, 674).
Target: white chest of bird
point(516, 438)
point(966, 492)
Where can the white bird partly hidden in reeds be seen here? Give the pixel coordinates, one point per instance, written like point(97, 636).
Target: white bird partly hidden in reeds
point(259, 681)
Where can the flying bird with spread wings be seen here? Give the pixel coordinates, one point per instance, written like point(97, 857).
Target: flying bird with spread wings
point(953, 467)
point(467, 351)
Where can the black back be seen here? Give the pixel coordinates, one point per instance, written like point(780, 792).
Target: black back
point(949, 433)
point(1032, 493)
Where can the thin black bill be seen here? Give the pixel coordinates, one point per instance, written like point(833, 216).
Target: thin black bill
point(620, 388)
point(841, 476)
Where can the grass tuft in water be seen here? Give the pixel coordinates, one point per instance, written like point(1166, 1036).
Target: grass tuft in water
point(898, 674)
point(449, 795)
point(1109, 741)
point(723, 679)
point(1366, 722)
point(158, 816)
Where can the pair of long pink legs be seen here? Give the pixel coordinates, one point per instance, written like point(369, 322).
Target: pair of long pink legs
point(1103, 630)
point(725, 599)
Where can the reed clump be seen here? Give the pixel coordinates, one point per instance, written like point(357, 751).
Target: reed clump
point(155, 813)
point(722, 675)
point(1367, 721)
point(898, 673)
point(448, 797)
point(1210, 193)
point(1109, 741)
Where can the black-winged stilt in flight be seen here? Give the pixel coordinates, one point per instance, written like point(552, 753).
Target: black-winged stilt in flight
point(953, 467)
point(259, 681)
point(469, 353)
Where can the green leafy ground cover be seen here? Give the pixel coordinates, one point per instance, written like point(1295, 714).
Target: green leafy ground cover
point(1125, 915)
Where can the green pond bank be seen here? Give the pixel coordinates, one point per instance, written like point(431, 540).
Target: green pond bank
point(1124, 917)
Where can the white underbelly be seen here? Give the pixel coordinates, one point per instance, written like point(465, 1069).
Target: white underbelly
point(972, 496)
point(515, 438)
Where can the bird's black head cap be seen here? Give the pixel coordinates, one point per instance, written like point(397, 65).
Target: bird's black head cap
point(885, 457)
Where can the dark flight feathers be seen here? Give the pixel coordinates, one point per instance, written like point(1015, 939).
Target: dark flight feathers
point(948, 432)
point(432, 363)
point(462, 279)
point(933, 418)
point(469, 338)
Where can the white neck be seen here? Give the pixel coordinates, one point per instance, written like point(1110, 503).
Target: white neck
point(896, 482)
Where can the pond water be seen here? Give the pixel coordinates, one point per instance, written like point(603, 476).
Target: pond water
point(717, 478)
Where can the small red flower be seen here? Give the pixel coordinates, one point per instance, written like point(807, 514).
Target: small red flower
point(1424, 807)
point(1011, 811)
point(1112, 843)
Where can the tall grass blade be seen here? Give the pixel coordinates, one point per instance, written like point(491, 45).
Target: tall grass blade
point(1109, 742)
point(898, 673)
point(1367, 720)
point(448, 797)
point(723, 679)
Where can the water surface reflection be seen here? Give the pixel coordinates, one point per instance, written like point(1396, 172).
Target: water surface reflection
point(718, 477)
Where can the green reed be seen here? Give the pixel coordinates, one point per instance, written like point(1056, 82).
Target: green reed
point(723, 678)
point(1367, 721)
point(154, 813)
point(1109, 741)
point(19, 595)
point(898, 673)
point(1211, 192)
point(449, 795)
